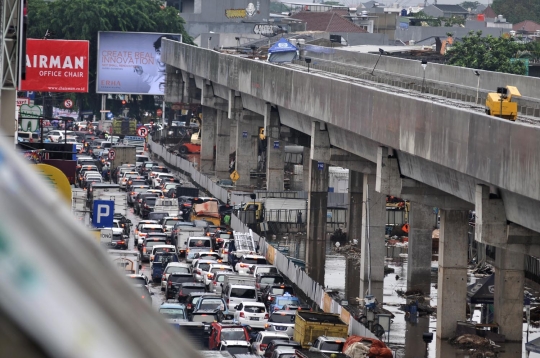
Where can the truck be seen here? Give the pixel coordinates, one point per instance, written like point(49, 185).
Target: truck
point(207, 211)
point(284, 210)
point(310, 325)
point(129, 261)
point(123, 154)
point(120, 201)
point(184, 233)
point(105, 126)
point(166, 205)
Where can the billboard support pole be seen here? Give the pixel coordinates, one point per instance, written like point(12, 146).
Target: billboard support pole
point(163, 112)
point(103, 105)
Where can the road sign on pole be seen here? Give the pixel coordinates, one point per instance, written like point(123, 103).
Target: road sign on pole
point(234, 176)
point(142, 131)
point(159, 112)
point(112, 154)
point(68, 103)
point(103, 213)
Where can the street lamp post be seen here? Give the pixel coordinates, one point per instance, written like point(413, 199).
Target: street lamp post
point(477, 74)
point(381, 52)
point(424, 65)
point(237, 43)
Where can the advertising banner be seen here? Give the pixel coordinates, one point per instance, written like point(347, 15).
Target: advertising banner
point(130, 62)
point(56, 66)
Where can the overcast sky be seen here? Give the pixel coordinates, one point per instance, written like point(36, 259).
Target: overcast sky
point(404, 3)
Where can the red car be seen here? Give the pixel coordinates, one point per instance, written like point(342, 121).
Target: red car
point(226, 332)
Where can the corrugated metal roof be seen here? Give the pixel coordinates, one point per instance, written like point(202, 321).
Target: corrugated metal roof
point(330, 21)
point(456, 9)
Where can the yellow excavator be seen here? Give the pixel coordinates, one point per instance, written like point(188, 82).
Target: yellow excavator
point(500, 104)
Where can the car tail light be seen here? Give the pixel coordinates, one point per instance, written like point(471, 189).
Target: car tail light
point(243, 265)
point(228, 301)
point(276, 309)
point(242, 314)
point(270, 298)
point(263, 346)
point(210, 276)
point(188, 306)
point(163, 276)
point(266, 316)
point(144, 250)
point(214, 283)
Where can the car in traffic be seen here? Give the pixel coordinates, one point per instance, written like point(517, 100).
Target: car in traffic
point(263, 338)
point(264, 280)
point(173, 267)
point(216, 285)
point(168, 223)
point(281, 301)
point(251, 313)
point(246, 261)
point(326, 344)
point(226, 332)
point(188, 287)
point(157, 249)
point(173, 284)
point(270, 292)
point(148, 244)
point(192, 299)
point(206, 316)
point(200, 269)
point(282, 321)
point(161, 261)
point(213, 269)
point(284, 344)
point(195, 245)
point(212, 302)
point(173, 313)
point(134, 191)
point(147, 206)
point(137, 204)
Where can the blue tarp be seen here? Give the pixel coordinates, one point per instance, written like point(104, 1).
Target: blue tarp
point(282, 46)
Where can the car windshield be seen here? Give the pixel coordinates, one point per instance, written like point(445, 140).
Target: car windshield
point(243, 292)
point(332, 346)
point(181, 278)
point(254, 309)
point(173, 269)
point(208, 257)
point(203, 318)
point(165, 258)
point(212, 304)
point(199, 243)
point(150, 244)
point(282, 318)
point(160, 170)
point(176, 313)
point(267, 270)
point(281, 290)
point(163, 249)
point(139, 190)
point(158, 216)
point(237, 350)
point(216, 269)
point(233, 334)
point(151, 230)
point(203, 266)
point(138, 182)
point(268, 339)
point(287, 301)
point(187, 290)
point(150, 200)
point(254, 260)
point(270, 280)
point(171, 222)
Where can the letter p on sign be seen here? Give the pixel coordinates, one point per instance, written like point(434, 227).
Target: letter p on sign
point(103, 213)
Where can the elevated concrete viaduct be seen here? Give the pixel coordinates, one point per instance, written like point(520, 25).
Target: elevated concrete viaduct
point(433, 153)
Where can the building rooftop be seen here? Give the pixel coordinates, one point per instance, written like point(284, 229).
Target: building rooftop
point(527, 26)
point(329, 21)
point(456, 9)
point(489, 13)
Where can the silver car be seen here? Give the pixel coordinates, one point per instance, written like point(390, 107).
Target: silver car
point(216, 284)
point(282, 321)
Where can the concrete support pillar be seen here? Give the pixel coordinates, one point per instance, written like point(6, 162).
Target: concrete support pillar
point(305, 167)
point(208, 138)
point(173, 85)
point(275, 151)
point(317, 205)
point(508, 297)
point(352, 279)
point(247, 145)
point(421, 221)
point(235, 114)
point(356, 198)
point(222, 144)
point(373, 250)
point(8, 105)
point(452, 282)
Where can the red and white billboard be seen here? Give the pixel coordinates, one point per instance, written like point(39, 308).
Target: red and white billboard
point(56, 66)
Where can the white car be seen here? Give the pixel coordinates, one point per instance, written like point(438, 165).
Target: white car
point(224, 250)
point(205, 255)
point(57, 135)
point(209, 277)
point(156, 180)
point(253, 314)
point(201, 269)
point(171, 268)
point(160, 248)
point(246, 261)
point(143, 230)
point(123, 181)
point(263, 338)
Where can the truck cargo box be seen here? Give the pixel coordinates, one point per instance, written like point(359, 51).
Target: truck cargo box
point(186, 191)
point(310, 325)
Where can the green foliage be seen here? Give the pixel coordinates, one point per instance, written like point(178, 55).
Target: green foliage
point(517, 10)
point(82, 19)
point(429, 20)
point(454, 20)
point(487, 53)
point(469, 5)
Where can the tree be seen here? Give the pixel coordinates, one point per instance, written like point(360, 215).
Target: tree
point(428, 19)
point(469, 5)
point(82, 19)
point(517, 10)
point(487, 53)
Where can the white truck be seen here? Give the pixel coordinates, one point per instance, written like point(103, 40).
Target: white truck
point(184, 233)
point(123, 154)
point(167, 205)
point(128, 262)
point(120, 201)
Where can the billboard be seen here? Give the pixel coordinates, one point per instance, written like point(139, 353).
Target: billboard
point(56, 66)
point(130, 62)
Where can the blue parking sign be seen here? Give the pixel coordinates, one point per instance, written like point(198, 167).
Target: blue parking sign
point(320, 166)
point(103, 213)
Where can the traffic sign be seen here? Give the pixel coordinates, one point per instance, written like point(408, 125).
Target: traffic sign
point(159, 112)
point(112, 154)
point(320, 166)
point(234, 176)
point(142, 131)
point(103, 213)
point(68, 103)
